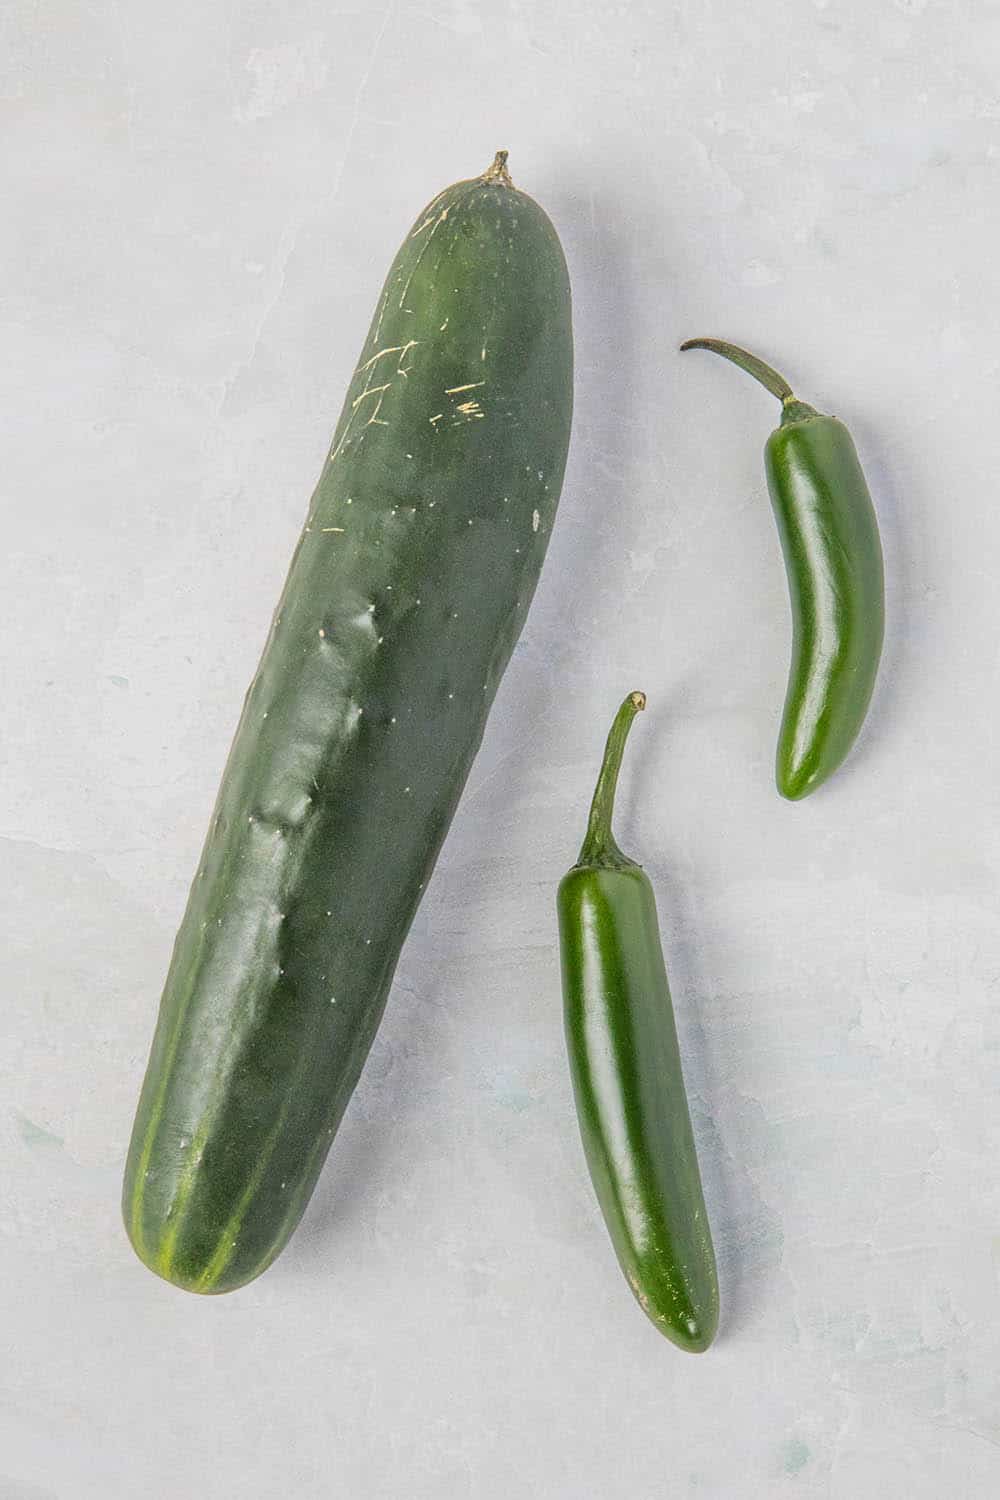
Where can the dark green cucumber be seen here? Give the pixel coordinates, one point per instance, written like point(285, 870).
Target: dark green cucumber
point(406, 594)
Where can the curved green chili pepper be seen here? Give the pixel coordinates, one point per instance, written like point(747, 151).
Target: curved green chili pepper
point(833, 558)
point(627, 1077)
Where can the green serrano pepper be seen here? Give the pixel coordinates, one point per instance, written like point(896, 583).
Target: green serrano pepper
point(627, 1077)
point(833, 557)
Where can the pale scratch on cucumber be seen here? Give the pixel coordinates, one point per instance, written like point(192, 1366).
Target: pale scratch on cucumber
point(373, 390)
point(400, 349)
point(423, 250)
point(381, 314)
point(469, 411)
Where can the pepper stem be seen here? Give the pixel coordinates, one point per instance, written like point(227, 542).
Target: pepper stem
point(769, 379)
point(599, 847)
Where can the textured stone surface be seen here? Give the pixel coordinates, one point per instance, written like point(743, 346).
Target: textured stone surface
point(199, 204)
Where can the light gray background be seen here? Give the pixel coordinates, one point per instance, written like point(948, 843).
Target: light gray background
point(199, 202)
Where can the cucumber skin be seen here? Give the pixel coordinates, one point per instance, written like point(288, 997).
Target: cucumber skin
point(406, 594)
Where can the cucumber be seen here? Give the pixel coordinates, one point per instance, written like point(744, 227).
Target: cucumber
point(406, 593)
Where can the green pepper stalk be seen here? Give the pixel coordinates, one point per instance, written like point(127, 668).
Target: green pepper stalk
point(833, 558)
point(627, 1077)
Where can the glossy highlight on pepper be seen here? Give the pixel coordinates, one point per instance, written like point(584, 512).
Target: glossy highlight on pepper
point(833, 558)
point(628, 1082)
